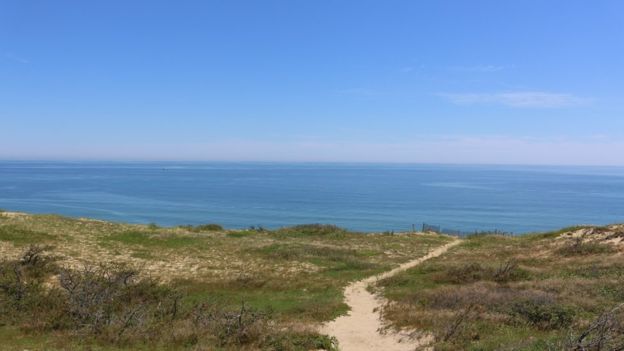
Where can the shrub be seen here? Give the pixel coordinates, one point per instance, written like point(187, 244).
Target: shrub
point(543, 314)
point(467, 273)
point(579, 247)
point(23, 297)
point(509, 271)
point(110, 299)
point(605, 333)
point(313, 230)
point(241, 327)
point(240, 234)
point(474, 272)
point(209, 227)
point(153, 226)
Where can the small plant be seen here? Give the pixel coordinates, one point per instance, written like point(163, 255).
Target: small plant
point(459, 322)
point(509, 271)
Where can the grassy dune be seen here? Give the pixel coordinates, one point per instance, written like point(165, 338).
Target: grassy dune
point(86, 284)
point(194, 287)
point(553, 291)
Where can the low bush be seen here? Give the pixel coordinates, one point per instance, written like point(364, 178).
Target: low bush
point(543, 314)
point(313, 230)
point(467, 273)
point(242, 327)
point(24, 299)
point(209, 227)
point(110, 300)
point(153, 226)
point(473, 272)
point(579, 247)
point(605, 333)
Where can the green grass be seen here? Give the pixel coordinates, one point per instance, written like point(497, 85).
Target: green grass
point(317, 230)
point(240, 234)
point(168, 241)
point(311, 300)
point(21, 237)
point(337, 263)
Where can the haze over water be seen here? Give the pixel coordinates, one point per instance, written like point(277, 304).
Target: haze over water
point(366, 197)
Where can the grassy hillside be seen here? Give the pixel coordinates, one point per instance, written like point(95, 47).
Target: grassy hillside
point(86, 284)
point(102, 285)
point(554, 291)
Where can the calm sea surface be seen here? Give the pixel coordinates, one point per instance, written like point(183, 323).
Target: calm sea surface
point(357, 196)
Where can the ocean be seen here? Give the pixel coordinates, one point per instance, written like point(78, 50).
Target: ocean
point(363, 197)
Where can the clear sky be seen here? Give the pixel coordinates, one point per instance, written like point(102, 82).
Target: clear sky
point(514, 81)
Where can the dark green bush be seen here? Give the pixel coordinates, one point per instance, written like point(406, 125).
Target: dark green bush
point(209, 227)
point(313, 230)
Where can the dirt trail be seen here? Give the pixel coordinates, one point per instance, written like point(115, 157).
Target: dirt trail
point(359, 330)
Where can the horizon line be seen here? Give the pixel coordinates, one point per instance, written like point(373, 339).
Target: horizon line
point(63, 160)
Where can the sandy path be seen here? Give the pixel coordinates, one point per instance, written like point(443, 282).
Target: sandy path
point(359, 330)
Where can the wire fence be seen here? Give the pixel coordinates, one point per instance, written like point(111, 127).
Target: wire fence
point(442, 230)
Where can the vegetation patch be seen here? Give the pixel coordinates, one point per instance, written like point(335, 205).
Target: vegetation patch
point(240, 234)
point(322, 230)
point(20, 236)
point(114, 305)
point(171, 241)
point(513, 293)
point(580, 247)
point(286, 282)
point(210, 227)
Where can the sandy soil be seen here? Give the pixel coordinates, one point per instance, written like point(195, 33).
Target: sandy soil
point(360, 330)
point(612, 234)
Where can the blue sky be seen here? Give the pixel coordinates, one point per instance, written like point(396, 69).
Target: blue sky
point(529, 82)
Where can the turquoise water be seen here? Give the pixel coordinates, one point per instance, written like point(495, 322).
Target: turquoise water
point(367, 197)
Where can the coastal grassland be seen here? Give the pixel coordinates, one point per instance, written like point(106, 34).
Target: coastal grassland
point(554, 291)
point(286, 281)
